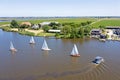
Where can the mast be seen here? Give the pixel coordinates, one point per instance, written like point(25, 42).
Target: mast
point(74, 50)
point(32, 40)
point(11, 45)
point(45, 46)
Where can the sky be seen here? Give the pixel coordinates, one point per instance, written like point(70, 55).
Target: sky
point(45, 8)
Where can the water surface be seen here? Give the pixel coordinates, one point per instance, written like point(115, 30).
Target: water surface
point(31, 63)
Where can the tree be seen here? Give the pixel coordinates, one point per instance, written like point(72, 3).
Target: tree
point(89, 22)
point(14, 24)
point(81, 32)
point(46, 28)
point(83, 23)
point(101, 26)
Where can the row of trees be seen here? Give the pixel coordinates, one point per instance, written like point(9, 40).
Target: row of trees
point(52, 25)
point(75, 31)
point(14, 24)
point(68, 30)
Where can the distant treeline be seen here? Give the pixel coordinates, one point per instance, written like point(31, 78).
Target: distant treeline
point(55, 17)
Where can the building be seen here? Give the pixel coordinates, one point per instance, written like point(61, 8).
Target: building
point(44, 23)
point(54, 31)
point(47, 23)
point(95, 32)
point(26, 23)
point(35, 26)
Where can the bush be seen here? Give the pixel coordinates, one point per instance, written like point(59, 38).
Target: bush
point(14, 24)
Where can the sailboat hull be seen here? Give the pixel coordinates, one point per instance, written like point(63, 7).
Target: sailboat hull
point(45, 49)
point(77, 55)
point(14, 50)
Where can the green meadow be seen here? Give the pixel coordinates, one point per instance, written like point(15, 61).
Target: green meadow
point(3, 23)
point(96, 23)
point(107, 22)
point(64, 20)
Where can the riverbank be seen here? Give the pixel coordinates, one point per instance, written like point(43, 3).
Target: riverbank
point(28, 32)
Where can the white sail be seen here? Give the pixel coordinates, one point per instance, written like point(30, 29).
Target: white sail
point(74, 50)
point(45, 46)
point(32, 40)
point(11, 45)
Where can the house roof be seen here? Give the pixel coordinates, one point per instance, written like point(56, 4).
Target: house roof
point(95, 30)
point(51, 30)
point(26, 23)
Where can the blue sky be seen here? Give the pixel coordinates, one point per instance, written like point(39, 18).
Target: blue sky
point(25, 8)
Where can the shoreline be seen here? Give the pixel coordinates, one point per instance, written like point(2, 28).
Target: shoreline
point(28, 32)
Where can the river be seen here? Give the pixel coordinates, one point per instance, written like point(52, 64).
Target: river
point(31, 63)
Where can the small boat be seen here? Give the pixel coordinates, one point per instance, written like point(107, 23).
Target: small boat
point(98, 60)
point(75, 52)
point(12, 47)
point(45, 46)
point(32, 41)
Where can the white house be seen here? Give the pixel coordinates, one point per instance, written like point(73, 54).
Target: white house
point(45, 23)
point(35, 26)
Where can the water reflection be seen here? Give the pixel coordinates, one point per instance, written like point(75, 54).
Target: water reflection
point(45, 53)
point(32, 45)
point(31, 63)
point(74, 59)
point(13, 52)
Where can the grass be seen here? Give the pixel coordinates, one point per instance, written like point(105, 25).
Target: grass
point(107, 22)
point(45, 34)
point(4, 23)
point(60, 20)
point(63, 20)
point(26, 33)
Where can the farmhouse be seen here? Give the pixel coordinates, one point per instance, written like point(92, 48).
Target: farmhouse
point(26, 23)
point(47, 23)
point(35, 26)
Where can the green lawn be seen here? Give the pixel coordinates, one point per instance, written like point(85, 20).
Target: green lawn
point(3, 23)
point(60, 20)
point(104, 22)
point(107, 22)
point(45, 34)
point(64, 20)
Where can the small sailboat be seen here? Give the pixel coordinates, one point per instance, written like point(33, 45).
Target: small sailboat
point(12, 47)
point(32, 41)
point(75, 52)
point(45, 46)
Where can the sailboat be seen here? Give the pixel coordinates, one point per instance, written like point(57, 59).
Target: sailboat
point(32, 41)
point(45, 46)
point(75, 52)
point(12, 47)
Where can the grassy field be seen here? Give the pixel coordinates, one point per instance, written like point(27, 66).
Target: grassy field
point(60, 20)
point(64, 20)
point(3, 23)
point(103, 22)
point(107, 22)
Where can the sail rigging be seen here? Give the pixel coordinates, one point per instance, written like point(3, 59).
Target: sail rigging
point(32, 41)
point(45, 46)
point(12, 47)
point(75, 51)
